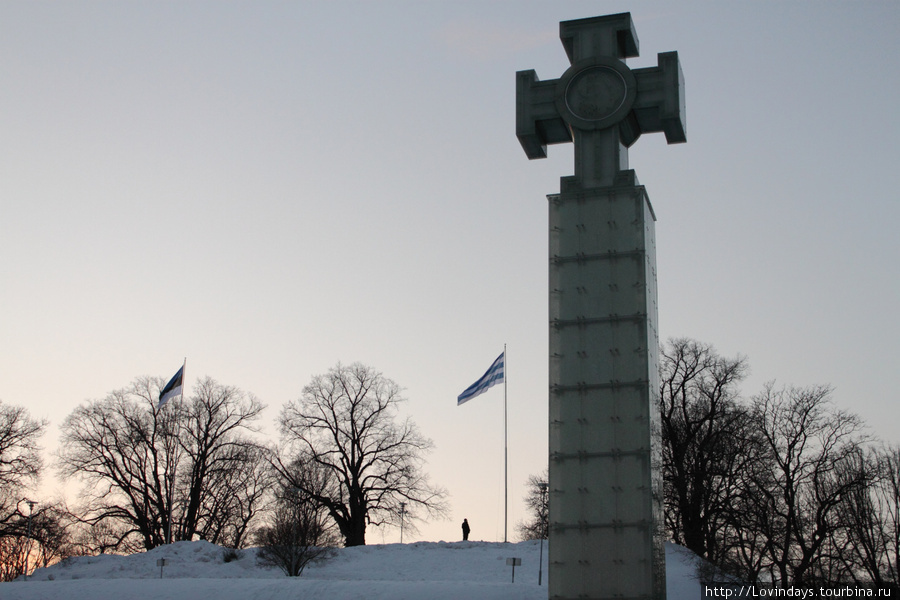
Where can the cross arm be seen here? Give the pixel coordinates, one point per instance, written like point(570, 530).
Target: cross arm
point(610, 35)
point(538, 121)
point(659, 105)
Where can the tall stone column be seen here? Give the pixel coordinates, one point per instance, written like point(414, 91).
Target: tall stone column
point(605, 490)
point(606, 538)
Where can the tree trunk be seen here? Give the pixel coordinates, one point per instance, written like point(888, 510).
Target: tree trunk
point(356, 531)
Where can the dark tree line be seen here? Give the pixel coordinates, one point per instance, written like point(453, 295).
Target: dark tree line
point(783, 487)
point(193, 469)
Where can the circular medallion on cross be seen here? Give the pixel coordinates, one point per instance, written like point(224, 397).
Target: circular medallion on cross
point(595, 93)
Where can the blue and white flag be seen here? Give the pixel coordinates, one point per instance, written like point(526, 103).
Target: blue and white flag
point(494, 375)
point(173, 388)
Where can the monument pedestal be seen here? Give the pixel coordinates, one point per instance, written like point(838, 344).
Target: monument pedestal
point(606, 519)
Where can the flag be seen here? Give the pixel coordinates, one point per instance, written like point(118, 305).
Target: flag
point(173, 388)
point(494, 375)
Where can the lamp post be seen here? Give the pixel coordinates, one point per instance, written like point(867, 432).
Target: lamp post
point(295, 518)
point(402, 512)
point(30, 504)
point(544, 515)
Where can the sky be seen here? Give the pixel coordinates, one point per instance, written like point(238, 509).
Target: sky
point(441, 571)
point(270, 188)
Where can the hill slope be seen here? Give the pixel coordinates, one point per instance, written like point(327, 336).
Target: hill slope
point(423, 570)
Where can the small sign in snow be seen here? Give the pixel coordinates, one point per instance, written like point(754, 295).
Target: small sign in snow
point(513, 562)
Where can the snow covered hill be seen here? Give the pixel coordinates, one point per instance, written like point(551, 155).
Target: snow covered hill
point(418, 571)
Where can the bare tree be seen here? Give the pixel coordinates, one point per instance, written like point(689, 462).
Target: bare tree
point(20, 459)
point(235, 497)
point(887, 501)
point(33, 540)
point(346, 423)
point(13, 550)
point(535, 526)
point(811, 450)
point(749, 527)
point(126, 451)
point(868, 541)
point(707, 443)
point(183, 464)
point(101, 538)
point(224, 480)
point(300, 531)
point(50, 531)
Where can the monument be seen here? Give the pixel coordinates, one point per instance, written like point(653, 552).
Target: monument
point(606, 538)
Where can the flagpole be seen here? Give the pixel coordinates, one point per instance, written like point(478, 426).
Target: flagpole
point(175, 462)
point(505, 450)
point(490, 378)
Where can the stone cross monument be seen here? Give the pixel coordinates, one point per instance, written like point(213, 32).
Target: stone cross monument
point(606, 538)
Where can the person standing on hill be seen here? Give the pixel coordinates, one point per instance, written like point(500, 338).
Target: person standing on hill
point(465, 528)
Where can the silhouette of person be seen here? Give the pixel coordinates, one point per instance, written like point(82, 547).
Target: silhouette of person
point(465, 528)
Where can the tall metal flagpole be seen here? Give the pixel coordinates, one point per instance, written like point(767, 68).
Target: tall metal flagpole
point(486, 381)
point(505, 450)
point(175, 462)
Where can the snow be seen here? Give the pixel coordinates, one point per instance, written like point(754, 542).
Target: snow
point(423, 570)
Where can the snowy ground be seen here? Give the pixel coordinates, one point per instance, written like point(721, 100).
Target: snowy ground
point(419, 571)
